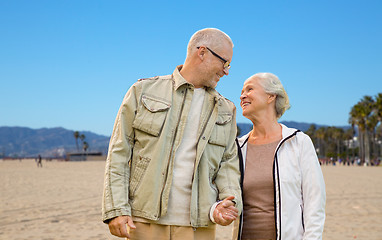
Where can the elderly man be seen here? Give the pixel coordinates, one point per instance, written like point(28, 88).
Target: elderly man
point(172, 155)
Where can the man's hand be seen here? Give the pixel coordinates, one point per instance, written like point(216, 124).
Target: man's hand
point(117, 226)
point(225, 212)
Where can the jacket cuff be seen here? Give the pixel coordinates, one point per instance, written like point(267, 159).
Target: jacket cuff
point(115, 213)
point(212, 211)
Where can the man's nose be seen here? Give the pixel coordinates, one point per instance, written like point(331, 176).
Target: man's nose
point(226, 71)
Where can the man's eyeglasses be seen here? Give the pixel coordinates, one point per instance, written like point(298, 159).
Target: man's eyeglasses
point(227, 64)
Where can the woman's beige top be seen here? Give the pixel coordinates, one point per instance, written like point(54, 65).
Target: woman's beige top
point(258, 192)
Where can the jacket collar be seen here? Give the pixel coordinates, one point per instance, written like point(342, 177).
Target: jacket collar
point(179, 81)
point(286, 131)
point(178, 78)
point(243, 139)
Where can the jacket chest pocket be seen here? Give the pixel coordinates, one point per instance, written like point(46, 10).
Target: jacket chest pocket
point(221, 130)
point(151, 115)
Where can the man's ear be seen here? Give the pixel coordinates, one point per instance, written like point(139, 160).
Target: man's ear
point(201, 52)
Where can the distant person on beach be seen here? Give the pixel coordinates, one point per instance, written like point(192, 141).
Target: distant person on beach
point(172, 169)
point(39, 161)
point(282, 183)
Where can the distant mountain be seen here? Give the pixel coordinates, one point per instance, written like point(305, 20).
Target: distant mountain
point(56, 142)
point(246, 127)
point(49, 142)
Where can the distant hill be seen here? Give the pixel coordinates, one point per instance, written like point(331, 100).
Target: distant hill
point(56, 142)
point(49, 142)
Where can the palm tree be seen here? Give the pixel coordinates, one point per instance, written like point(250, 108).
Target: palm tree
point(312, 134)
point(85, 146)
point(369, 105)
point(320, 135)
point(349, 136)
point(76, 136)
point(338, 136)
point(360, 115)
point(82, 137)
point(372, 123)
point(378, 131)
point(378, 106)
point(378, 135)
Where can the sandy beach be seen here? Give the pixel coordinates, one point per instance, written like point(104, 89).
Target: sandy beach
point(62, 200)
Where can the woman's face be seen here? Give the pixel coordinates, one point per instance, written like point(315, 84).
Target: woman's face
point(253, 97)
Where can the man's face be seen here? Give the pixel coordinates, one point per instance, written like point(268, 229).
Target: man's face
point(214, 66)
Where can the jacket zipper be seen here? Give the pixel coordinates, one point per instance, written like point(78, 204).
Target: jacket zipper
point(276, 166)
point(193, 175)
point(205, 125)
point(278, 236)
point(172, 148)
point(201, 133)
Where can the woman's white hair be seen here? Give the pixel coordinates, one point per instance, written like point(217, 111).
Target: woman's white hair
point(272, 85)
point(209, 37)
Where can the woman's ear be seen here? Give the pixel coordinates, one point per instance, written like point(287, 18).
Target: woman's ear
point(271, 98)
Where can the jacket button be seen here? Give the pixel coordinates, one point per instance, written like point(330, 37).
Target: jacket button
point(204, 138)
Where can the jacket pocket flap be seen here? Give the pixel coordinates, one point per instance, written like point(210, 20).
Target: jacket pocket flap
point(224, 118)
point(155, 105)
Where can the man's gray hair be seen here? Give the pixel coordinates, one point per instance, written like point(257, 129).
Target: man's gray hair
point(209, 37)
point(272, 85)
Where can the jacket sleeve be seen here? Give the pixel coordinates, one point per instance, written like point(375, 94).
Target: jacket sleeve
point(313, 191)
point(117, 171)
point(228, 176)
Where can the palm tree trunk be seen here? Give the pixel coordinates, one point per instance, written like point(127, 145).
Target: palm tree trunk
point(361, 147)
point(367, 149)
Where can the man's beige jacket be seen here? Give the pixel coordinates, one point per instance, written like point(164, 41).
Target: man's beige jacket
point(146, 134)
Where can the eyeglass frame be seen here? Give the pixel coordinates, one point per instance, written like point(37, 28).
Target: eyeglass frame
point(225, 65)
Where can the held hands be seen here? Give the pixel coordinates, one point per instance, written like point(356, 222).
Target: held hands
point(225, 212)
point(117, 226)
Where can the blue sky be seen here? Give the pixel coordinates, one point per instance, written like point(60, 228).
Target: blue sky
point(69, 63)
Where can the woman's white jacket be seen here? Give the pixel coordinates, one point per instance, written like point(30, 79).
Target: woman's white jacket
point(299, 186)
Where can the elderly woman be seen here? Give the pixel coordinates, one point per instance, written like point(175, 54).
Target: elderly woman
point(283, 186)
